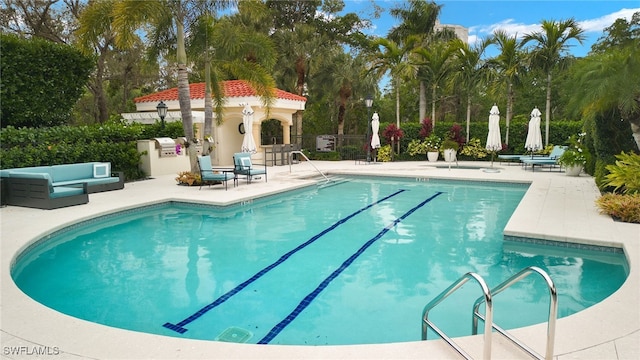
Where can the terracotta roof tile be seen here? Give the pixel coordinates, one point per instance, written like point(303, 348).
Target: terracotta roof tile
point(232, 88)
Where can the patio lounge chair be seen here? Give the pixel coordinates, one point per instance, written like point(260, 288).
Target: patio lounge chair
point(555, 153)
point(551, 160)
point(211, 175)
point(244, 167)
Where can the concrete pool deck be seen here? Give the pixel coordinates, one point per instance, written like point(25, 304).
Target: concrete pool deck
point(556, 207)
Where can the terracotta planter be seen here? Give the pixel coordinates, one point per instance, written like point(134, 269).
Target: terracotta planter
point(573, 170)
point(432, 156)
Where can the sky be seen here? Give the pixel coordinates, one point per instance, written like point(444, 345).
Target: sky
point(515, 17)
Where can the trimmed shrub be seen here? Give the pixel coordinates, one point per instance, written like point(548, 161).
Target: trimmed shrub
point(41, 81)
point(112, 142)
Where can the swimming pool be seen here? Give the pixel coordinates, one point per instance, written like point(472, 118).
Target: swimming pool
point(413, 253)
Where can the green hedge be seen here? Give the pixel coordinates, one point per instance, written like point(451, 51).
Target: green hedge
point(611, 136)
point(41, 81)
point(123, 156)
point(113, 142)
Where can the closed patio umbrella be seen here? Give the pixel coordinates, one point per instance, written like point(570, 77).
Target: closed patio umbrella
point(534, 136)
point(375, 127)
point(494, 141)
point(248, 144)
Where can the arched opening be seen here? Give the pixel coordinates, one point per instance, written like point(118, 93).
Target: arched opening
point(271, 132)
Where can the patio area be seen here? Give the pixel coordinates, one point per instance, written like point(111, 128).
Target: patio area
point(556, 207)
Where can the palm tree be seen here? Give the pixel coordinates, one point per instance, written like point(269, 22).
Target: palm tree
point(294, 30)
point(434, 66)
point(304, 32)
point(339, 86)
point(417, 20)
point(229, 49)
point(509, 65)
point(167, 20)
point(550, 51)
point(392, 58)
point(610, 80)
point(470, 70)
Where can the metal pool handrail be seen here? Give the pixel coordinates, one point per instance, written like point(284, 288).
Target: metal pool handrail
point(443, 295)
point(553, 311)
point(309, 161)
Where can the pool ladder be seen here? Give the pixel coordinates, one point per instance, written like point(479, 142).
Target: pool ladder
point(487, 298)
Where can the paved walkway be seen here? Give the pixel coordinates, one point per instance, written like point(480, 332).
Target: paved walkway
point(555, 207)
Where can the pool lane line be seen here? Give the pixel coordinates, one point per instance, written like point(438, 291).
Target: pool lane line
point(312, 295)
point(179, 327)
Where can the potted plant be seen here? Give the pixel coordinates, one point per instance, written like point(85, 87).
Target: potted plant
point(449, 149)
point(575, 156)
point(432, 144)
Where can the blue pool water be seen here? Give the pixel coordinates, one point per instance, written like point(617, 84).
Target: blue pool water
point(351, 263)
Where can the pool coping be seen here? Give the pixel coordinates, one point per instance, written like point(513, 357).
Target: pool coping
point(553, 198)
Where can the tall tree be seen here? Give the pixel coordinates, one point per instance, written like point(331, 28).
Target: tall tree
point(434, 66)
point(418, 19)
point(470, 71)
point(167, 20)
point(343, 78)
point(509, 65)
point(392, 58)
point(229, 49)
point(53, 20)
point(609, 78)
point(304, 31)
point(297, 41)
point(551, 49)
point(620, 34)
point(96, 37)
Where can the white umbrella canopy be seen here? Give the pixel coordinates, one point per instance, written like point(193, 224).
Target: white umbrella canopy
point(248, 144)
point(494, 141)
point(375, 127)
point(534, 136)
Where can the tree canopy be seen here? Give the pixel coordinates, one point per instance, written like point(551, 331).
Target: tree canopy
point(307, 47)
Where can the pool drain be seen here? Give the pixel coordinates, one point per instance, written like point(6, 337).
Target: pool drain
point(234, 334)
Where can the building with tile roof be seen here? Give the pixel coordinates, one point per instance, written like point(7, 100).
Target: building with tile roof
point(228, 136)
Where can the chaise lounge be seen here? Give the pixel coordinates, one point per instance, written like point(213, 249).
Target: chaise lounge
point(551, 160)
point(519, 157)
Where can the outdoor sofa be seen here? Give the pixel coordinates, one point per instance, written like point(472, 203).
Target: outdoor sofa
point(51, 187)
